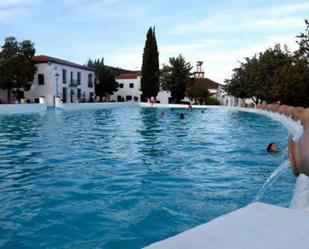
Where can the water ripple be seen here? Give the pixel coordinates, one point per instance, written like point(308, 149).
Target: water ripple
point(124, 178)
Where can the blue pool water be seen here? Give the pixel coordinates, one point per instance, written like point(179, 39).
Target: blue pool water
point(124, 178)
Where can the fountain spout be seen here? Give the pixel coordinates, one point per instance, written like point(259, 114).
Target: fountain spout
point(272, 178)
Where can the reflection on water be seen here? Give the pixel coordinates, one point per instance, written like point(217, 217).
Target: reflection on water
point(124, 178)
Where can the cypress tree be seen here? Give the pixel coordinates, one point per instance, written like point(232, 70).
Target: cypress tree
point(107, 83)
point(150, 68)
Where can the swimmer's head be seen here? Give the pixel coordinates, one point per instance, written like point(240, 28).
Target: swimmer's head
point(272, 148)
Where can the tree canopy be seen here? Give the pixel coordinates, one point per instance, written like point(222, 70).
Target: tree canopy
point(105, 80)
point(198, 92)
point(254, 78)
point(16, 66)
point(303, 42)
point(176, 77)
point(274, 75)
point(150, 84)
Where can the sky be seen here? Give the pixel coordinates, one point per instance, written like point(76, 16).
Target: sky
point(220, 33)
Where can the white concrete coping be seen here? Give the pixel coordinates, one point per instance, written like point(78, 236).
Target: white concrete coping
point(256, 226)
point(300, 199)
point(158, 105)
point(22, 108)
point(96, 105)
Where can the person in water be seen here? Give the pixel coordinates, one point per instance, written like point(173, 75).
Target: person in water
point(272, 148)
point(181, 116)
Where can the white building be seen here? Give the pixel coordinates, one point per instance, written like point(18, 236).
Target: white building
point(130, 89)
point(56, 77)
point(229, 100)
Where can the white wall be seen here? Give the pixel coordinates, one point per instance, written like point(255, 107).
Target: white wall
point(127, 91)
point(49, 90)
point(45, 90)
point(163, 96)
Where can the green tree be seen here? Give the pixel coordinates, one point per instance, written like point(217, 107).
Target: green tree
point(275, 75)
point(105, 81)
point(16, 66)
point(292, 83)
point(212, 101)
point(303, 42)
point(176, 77)
point(197, 92)
point(244, 83)
point(150, 84)
point(254, 78)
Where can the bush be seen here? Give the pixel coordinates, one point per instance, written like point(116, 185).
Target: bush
point(212, 101)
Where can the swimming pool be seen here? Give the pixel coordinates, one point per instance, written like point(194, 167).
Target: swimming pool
point(127, 177)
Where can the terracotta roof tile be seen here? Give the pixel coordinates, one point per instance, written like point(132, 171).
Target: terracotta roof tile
point(46, 59)
point(208, 83)
point(127, 76)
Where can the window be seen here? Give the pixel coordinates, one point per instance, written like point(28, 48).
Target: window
point(64, 76)
point(78, 78)
point(135, 98)
point(64, 94)
point(79, 94)
point(91, 97)
point(41, 79)
point(131, 85)
point(71, 77)
point(120, 85)
point(90, 80)
point(128, 97)
point(119, 98)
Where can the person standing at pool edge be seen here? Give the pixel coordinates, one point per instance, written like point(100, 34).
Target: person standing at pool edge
point(190, 107)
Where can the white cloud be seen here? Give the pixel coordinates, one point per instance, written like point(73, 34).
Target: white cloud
point(128, 59)
point(218, 62)
point(10, 3)
point(277, 23)
point(223, 24)
point(287, 9)
point(180, 48)
point(110, 1)
point(222, 52)
point(4, 14)
point(13, 10)
point(280, 16)
point(104, 10)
